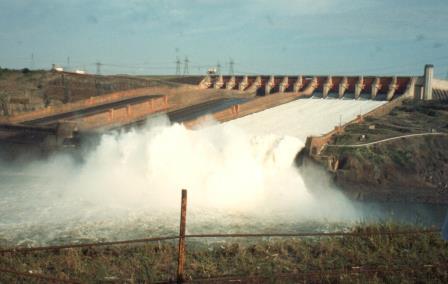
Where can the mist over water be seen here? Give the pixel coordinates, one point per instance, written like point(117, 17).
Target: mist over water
point(129, 186)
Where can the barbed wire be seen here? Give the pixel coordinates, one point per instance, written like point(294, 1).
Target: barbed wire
point(317, 234)
point(218, 235)
point(68, 246)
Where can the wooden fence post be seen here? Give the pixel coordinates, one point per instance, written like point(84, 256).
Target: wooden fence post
point(181, 254)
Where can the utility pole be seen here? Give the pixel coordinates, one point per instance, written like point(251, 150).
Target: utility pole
point(98, 68)
point(186, 68)
point(68, 62)
point(178, 66)
point(231, 64)
point(67, 93)
point(218, 68)
point(32, 61)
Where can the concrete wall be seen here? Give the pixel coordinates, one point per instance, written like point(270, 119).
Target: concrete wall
point(386, 108)
point(315, 144)
point(265, 85)
point(93, 101)
point(440, 84)
point(236, 111)
point(123, 115)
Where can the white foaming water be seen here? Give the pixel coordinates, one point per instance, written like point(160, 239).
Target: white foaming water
point(129, 185)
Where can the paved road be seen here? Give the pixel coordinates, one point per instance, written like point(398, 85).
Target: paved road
point(194, 111)
point(388, 139)
point(197, 110)
point(89, 111)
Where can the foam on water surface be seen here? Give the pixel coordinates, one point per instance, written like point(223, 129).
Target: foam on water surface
point(238, 174)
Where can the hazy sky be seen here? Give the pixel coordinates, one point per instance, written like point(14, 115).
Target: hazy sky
point(264, 36)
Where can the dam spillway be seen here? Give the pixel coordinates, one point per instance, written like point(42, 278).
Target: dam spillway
point(373, 87)
point(233, 165)
point(304, 117)
point(125, 186)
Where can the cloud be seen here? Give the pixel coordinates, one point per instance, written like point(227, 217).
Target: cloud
point(269, 20)
point(437, 44)
point(310, 7)
point(254, 29)
point(92, 19)
point(420, 37)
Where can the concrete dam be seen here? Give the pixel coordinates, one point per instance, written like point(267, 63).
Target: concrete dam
point(238, 163)
point(382, 88)
point(371, 87)
point(59, 125)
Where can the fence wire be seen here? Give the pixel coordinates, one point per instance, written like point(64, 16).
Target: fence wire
point(217, 235)
point(312, 275)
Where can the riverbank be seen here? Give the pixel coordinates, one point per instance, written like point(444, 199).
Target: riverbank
point(375, 253)
point(401, 156)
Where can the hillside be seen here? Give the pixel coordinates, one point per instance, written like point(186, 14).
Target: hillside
point(26, 90)
point(407, 169)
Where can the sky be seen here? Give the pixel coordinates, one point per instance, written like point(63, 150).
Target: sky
point(365, 37)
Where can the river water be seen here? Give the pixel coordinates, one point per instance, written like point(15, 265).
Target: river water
point(240, 177)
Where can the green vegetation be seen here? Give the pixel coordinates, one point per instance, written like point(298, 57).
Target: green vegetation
point(406, 169)
point(412, 117)
point(408, 255)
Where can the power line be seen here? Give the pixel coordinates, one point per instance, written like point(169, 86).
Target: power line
point(231, 64)
point(218, 68)
point(98, 68)
point(32, 61)
point(244, 72)
point(178, 66)
point(186, 67)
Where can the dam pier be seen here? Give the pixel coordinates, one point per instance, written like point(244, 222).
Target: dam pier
point(56, 126)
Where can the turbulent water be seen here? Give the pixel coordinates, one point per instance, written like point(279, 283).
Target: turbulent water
point(240, 177)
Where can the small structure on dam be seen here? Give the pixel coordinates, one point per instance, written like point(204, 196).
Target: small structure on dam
point(373, 87)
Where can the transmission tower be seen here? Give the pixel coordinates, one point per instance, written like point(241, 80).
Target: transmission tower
point(186, 67)
point(98, 68)
point(231, 64)
point(32, 61)
point(218, 68)
point(178, 66)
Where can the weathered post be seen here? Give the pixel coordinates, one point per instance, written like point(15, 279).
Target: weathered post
point(183, 223)
point(429, 73)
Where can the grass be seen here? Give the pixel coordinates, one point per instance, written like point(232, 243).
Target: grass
point(261, 257)
point(412, 117)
